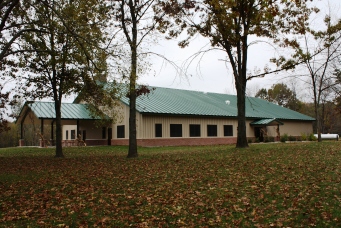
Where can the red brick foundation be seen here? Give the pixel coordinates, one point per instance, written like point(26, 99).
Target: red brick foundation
point(89, 142)
point(176, 142)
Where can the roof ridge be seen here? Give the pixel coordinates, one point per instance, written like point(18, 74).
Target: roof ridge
point(189, 90)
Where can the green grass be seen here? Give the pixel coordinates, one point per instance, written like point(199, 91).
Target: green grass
point(279, 185)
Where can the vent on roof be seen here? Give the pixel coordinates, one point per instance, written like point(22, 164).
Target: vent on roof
point(227, 102)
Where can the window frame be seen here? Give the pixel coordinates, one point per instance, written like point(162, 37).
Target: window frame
point(194, 130)
point(175, 133)
point(104, 132)
point(120, 131)
point(158, 130)
point(210, 130)
point(73, 134)
point(227, 131)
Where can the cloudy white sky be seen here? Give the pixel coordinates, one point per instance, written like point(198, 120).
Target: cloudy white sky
point(212, 75)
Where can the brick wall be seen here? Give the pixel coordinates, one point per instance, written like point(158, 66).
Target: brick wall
point(94, 142)
point(177, 141)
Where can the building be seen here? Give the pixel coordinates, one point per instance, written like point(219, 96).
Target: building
point(175, 117)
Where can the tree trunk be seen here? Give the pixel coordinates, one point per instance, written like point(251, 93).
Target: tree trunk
point(318, 122)
point(132, 152)
point(241, 129)
point(59, 148)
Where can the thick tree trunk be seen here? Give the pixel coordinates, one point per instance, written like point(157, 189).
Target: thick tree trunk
point(132, 106)
point(132, 127)
point(241, 130)
point(59, 148)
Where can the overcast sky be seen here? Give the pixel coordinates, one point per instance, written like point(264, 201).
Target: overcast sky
point(212, 75)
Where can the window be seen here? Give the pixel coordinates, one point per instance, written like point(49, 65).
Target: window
point(120, 132)
point(194, 130)
point(104, 132)
point(228, 130)
point(84, 135)
point(73, 134)
point(158, 130)
point(212, 130)
point(67, 135)
point(176, 130)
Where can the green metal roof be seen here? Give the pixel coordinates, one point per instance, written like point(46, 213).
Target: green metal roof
point(185, 102)
point(46, 110)
point(265, 122)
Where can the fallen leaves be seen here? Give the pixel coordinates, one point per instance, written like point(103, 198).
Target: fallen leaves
point(275, 186)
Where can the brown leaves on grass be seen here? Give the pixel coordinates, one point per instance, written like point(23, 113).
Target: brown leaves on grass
point(263, 186)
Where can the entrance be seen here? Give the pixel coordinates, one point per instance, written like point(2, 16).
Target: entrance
point(259, 134)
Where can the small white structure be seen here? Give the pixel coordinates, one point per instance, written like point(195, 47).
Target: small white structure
point(328, 136)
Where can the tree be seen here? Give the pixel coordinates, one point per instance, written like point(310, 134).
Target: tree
point(317, 51)
point(12, 25)
point(63, 54)
point(137, 21)
point(4, 99)
point(229, 25)
point(281, 95)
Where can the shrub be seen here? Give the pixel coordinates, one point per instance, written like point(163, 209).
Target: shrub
point(257, 140)
point(284, 138)
point(292, 138)
point(312, 137)
point(303, 136)
point(249, 140)
point(269, 139)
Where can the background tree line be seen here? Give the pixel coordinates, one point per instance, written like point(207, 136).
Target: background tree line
point(282, 95)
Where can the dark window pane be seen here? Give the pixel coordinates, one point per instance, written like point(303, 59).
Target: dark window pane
point(84, 135)
point(194, 130)
point(176, 130)
point(158, 130)
point(212, 130)
point(120, 132)
point(73, 134)
point(67, 134)
point(104, 133)
point(228, 130)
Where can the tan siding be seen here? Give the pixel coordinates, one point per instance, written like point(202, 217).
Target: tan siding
point(124, 120)
point(296, 128)
point(146, 125)
point(150, 121)
point(250, 131)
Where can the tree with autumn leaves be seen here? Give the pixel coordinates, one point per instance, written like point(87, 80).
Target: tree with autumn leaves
point(63, 55)
point(230, 25)
point(319, 52)
point(136, 22)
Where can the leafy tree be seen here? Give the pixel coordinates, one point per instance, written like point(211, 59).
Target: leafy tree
point(137, 20)
point(263, 94)
point(280, 94)
point(65, 54)
point(10, 138)
point(4, 99)
point(13, 24)
point(317, 51)
point(229, 25)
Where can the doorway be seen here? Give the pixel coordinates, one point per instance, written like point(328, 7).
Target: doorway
point(259, 134)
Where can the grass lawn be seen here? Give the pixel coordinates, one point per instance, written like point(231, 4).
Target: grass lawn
point(266, 185)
